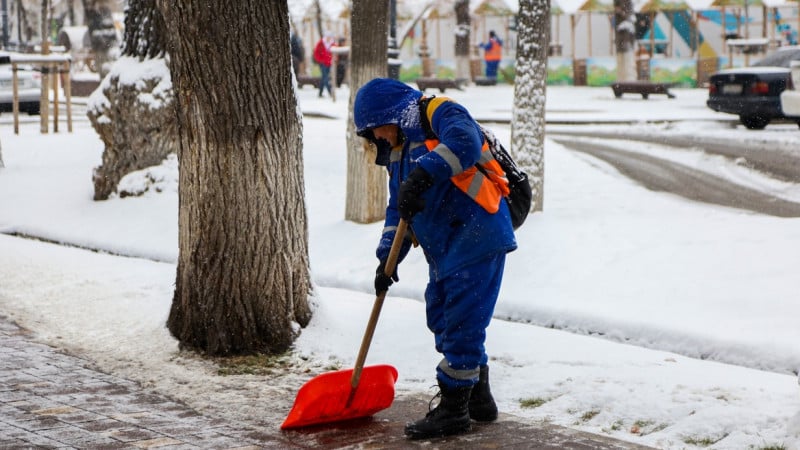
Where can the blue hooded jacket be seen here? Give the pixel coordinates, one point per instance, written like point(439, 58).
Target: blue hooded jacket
point(453, 230)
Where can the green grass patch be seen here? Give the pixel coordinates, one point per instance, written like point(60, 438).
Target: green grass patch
point(534, 402)
point(616, 426)
point(704, 441)
point(645, 427)
point(589, 415)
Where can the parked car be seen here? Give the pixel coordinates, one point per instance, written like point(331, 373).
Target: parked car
point(790, 98)
point(29, 87)
point(753, 93)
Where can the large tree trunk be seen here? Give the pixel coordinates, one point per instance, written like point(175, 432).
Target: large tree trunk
point(135, 120)
point(243, 279)
point(366, 182)
point(624, 36)
point(462, 39)
point(530, 82)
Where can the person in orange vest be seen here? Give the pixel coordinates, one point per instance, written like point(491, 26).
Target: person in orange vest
point(456, 215)
point(492, 54)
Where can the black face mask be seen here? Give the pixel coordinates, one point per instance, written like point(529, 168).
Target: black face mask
point(383, 153)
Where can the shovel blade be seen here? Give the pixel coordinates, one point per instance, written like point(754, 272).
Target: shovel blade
point(327, 398)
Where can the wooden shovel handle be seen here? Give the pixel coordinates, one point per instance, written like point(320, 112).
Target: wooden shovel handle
point(391, 264)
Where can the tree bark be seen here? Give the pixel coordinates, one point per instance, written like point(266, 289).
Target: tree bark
point(243, 279)
point(462, 47)
point(366, 182)
point(530, 82)
point(145, 35)
point(624, 36)
point(135, 121)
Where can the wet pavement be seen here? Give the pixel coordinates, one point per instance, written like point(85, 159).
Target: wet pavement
point(49, 399)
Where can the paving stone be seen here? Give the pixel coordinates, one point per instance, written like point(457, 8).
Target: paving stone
point(49, 399)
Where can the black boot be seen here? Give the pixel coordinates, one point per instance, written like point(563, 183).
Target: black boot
point(481, 404)
point(451, 416)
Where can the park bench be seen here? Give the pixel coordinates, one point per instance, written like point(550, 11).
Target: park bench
point(485, 81)
point(643, 87)
point(439, 83)
point(303, 80)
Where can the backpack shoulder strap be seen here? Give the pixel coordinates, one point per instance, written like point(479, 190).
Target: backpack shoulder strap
point(427, 106)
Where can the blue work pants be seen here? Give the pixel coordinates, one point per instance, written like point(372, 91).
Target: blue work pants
point(459, 308)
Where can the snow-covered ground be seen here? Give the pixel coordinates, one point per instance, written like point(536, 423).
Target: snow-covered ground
point(627, 312)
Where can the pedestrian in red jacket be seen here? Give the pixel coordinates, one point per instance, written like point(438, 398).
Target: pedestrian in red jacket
point(323, 57)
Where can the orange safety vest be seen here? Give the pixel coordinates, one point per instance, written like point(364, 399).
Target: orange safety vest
point(485, 182)
point(495, 52)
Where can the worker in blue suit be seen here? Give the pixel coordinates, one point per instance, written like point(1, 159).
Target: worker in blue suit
point(456, 215)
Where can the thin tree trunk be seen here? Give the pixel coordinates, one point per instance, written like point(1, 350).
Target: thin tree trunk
point(530, 81)
point(625, 38)
point(366, 182)
point(318, 18)
point(243, 279)
point(45, 30)
point(102, 34)
point(462, 46)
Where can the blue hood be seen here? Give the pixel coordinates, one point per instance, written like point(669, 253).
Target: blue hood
point(385, 101)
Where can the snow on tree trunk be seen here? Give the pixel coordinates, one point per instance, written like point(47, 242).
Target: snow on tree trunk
point(366, 182)
point(243, 281)
point(132, 110)
point(530, 81)
point(625, 38)
point(462, 46)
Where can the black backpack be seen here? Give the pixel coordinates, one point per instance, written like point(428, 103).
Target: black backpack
point(520, 197)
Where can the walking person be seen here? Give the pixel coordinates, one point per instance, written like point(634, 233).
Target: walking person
point(323, 57)
point(492, 54)
point(465, 233)
point(298, 52)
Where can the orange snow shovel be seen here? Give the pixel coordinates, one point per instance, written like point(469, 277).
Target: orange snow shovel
point(329, 397)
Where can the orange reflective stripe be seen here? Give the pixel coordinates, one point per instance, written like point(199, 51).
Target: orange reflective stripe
point(497, 177)
point(487, 190)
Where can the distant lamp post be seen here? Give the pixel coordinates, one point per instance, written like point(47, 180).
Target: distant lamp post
point(424, 54)
point(393, 52)
point(4, 12)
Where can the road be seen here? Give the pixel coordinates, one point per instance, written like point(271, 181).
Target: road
point(665, 175)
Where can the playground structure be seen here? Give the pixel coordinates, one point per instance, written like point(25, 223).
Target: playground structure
point(692, 36)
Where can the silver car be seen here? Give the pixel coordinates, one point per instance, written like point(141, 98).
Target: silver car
point(28, 84)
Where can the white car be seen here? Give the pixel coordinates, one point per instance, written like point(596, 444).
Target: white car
point(29, 87)
point(790, 98)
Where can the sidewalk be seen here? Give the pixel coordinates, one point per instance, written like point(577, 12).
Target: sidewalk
point(49, 399)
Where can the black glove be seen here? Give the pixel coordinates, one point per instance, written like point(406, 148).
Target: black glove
point(382, 282)
point(409, 196)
